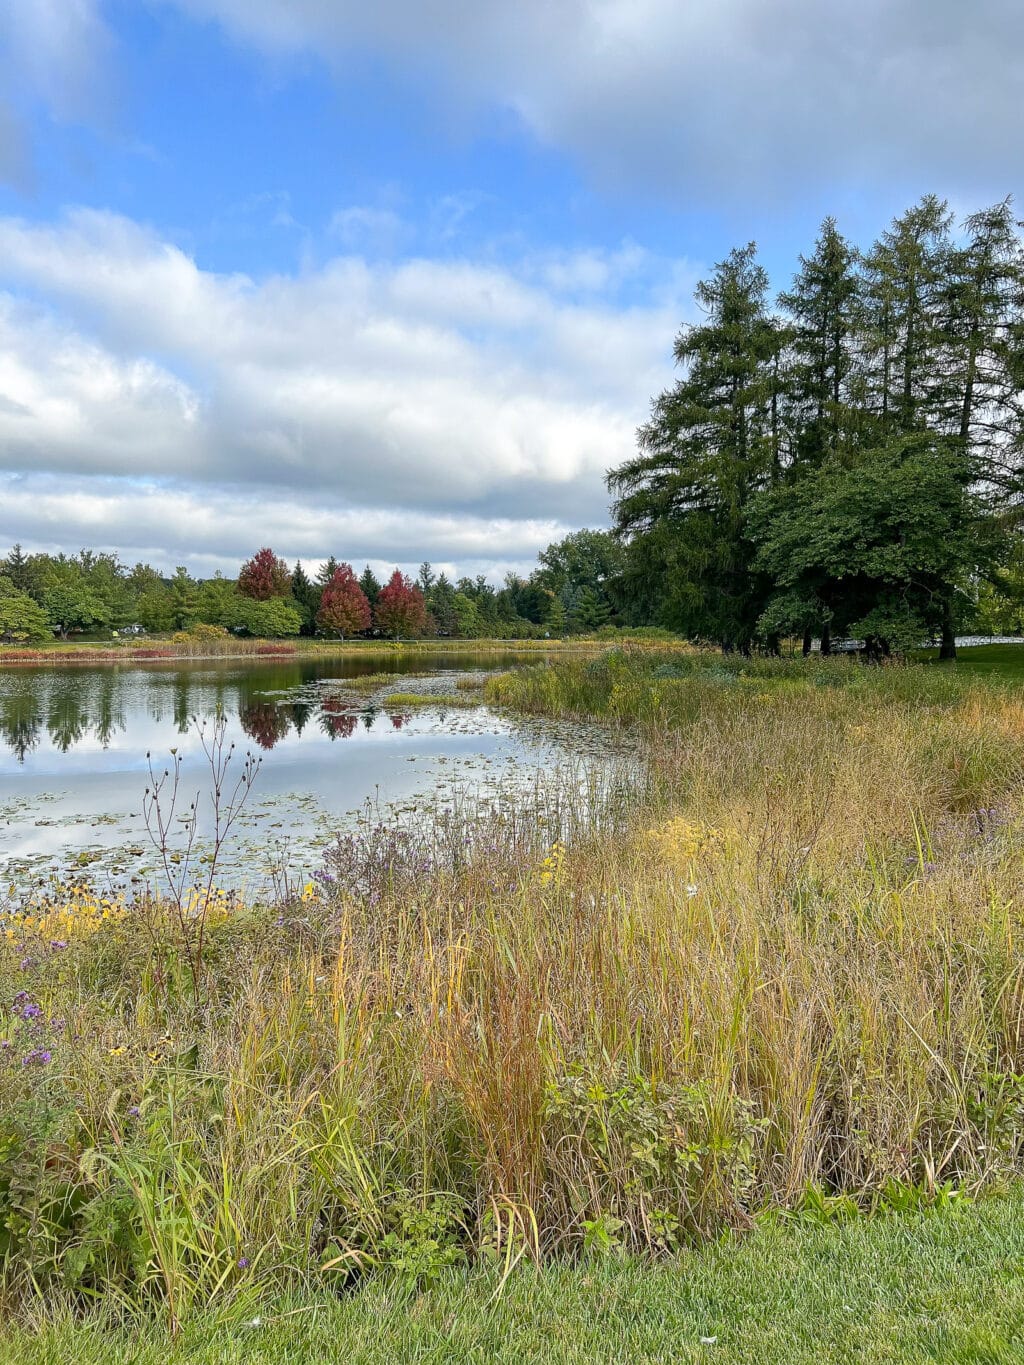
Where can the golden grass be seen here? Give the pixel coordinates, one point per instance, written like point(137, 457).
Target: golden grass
point(786, 959)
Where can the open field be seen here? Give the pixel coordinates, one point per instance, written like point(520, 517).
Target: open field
point(780, 971)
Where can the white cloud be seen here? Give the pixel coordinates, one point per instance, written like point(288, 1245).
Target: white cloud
point(707, 99)
point(213, 528)
point(467, 409)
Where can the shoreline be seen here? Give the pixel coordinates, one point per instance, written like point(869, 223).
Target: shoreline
point(66, 653)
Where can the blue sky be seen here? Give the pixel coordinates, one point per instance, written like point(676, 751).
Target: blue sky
point(398, 282)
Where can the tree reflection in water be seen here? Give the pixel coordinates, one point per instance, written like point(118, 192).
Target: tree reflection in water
point(71, 706)
point(338, 724)
point(265, 722)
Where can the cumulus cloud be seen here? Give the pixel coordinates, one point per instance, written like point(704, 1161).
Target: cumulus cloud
point(443, 408)
point(213, 527)
point(710, 98)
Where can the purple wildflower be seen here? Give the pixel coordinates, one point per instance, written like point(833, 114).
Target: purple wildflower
point(37, 1057)
point(57, 944)
point(31, 1012)
point(243, 1262)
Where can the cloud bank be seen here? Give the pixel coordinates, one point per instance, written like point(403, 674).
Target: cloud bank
point(451, 410)
point(709, 99)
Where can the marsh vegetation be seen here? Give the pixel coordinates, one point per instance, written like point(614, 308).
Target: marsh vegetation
point(777, 973)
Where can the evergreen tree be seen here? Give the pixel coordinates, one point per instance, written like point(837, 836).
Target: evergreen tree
point(16, 568)
point(370, 585)
point(184, 599)
point(984, 346)
point(440, 603)
point(592, 610)
point(822, 303)
point(327, 571)
point(306, 597)
point(904, 276)
point(557, 621)
point(711, 444)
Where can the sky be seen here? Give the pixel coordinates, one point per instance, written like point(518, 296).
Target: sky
point(398, 281)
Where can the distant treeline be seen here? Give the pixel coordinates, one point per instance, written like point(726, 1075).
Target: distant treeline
point(571, 591)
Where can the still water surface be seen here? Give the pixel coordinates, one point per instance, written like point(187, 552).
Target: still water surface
point(73, 746)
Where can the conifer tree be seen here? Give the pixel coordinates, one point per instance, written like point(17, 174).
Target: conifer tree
point(370, 585)
point(712, 443)
point(16, 568)
point(306, 597)
point(327, 571)
point(822, 304)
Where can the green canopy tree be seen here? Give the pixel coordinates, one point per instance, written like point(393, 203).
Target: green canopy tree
point(68, 599)
point(267, 619)
point(21, 619)
point(874, 543)
point(215, 600)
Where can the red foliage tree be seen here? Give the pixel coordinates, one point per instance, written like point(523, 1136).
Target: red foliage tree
point(401, 608)
point(264, 576)
point(344, 608)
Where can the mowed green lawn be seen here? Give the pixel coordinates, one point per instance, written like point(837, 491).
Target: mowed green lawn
point(941, 1286)
point(994, 660)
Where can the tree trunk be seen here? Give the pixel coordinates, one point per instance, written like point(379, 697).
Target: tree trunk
point(947, 649)
point(826, 639)
point(807, 643)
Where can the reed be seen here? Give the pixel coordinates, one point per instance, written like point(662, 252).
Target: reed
point(773, 964)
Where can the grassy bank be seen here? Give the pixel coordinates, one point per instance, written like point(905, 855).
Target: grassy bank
point(948, 1286)
point(156, 649)
point(777, 969)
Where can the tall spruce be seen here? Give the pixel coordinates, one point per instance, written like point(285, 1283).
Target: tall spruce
point(822, 304)
point(306, 596)
point(16, 568)
point(984, 362)
point(903, 319)
point(370, 584)
point(712, 443)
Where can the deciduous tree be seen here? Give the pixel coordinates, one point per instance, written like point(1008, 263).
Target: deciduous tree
point(344, 609)
point(21, 619)
point(400, 608)
point(264, 576)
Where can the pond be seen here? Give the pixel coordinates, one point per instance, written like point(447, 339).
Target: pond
point(332, 749)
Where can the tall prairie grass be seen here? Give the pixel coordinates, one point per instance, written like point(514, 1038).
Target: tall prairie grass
point(778, 960)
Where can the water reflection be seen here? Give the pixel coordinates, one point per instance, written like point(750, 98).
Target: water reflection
point(73, 765)
point(76, 708)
